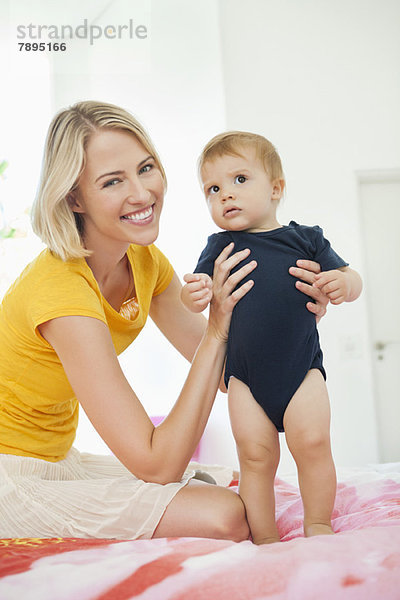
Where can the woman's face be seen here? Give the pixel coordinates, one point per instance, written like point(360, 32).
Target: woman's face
point(120, 192)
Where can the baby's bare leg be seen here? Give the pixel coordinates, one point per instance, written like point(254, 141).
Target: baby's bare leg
point(307, 424)
point(257, 443)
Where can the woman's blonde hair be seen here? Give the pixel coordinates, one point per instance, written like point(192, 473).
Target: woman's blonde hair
point(63, 162)
point(233, 142)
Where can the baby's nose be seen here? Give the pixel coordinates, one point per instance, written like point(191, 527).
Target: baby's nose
point(227, 194)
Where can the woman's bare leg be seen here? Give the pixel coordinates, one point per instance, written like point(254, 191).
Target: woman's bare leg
point(203, 510)
point(258, 450)
point(307, 425)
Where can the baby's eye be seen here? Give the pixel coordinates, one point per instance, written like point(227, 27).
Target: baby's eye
point(240, 179)
point(214, 189)
point(111, 182)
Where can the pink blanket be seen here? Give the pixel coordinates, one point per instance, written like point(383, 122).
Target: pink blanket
point(362, 561)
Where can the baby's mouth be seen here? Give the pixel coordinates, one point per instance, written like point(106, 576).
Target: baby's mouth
point(231, 211)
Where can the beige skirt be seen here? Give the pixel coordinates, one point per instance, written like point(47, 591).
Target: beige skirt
point(84, 495)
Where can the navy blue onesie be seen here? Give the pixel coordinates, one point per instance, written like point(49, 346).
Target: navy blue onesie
point(273, 339)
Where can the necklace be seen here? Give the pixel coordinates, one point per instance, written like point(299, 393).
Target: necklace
point(130, 287)
point(130, 306)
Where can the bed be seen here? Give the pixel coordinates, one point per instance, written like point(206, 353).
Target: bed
point(360, 562)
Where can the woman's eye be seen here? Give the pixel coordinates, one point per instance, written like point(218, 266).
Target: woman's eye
point(240, 179)
point(146, 168)
point(111, 182)
point(214, 189)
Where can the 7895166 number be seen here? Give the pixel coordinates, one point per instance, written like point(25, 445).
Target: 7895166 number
point(42, 46)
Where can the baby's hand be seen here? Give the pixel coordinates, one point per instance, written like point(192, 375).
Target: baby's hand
point(197, 292)
point(335, 284)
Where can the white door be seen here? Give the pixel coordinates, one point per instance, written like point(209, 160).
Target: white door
point(380, 209)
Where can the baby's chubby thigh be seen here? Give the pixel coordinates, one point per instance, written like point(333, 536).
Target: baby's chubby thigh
point(307, 417)
point(255, 435)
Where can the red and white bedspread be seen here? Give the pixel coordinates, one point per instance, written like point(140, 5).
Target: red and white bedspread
point(360, 562)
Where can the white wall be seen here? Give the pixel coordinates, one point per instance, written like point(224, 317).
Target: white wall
point(321, 80)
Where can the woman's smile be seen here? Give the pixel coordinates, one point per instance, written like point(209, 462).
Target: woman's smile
point(140, 217)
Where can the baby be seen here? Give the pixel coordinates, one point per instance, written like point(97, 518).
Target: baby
point(274, 371)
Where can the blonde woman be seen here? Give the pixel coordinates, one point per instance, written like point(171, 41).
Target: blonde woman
point(79, 304)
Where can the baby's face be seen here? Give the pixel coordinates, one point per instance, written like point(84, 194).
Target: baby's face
point(240, 194)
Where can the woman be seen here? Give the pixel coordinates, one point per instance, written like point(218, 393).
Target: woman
point(62, 324)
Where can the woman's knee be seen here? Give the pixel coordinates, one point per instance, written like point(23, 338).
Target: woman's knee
point(230, 522)
point(204, 510)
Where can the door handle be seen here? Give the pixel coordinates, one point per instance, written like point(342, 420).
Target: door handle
point(382, 345)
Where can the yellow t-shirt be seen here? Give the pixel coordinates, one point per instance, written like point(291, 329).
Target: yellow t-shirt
point(38, 409)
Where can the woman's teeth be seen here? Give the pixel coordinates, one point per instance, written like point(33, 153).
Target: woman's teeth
point(139, 216)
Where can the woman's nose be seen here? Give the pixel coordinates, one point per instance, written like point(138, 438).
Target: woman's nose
point(138, 193)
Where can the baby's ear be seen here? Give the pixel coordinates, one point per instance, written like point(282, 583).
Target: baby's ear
point(278, 186)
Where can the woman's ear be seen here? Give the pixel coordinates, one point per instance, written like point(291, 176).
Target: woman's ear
point(278, 186)
point(73, 202)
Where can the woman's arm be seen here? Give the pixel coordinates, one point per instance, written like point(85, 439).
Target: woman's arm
point(306, 271)
point(86, 351)
point(181, 327)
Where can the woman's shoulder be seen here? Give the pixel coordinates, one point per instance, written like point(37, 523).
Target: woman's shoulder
point(50, 287)
point(49, 277)
point(48, 269)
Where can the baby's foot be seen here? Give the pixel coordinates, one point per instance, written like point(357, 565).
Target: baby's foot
point(317, 529)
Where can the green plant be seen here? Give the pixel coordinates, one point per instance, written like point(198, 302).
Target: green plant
point(6, 230)
point(3, 167)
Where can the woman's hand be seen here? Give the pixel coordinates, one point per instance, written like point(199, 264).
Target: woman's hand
point(225, 296)
point(306, 270)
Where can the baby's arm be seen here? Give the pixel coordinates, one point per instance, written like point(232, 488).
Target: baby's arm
point(197, 293)
point(340, 285)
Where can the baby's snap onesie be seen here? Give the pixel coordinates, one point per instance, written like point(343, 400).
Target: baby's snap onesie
point(273, 339)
